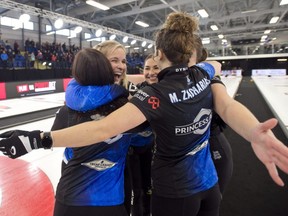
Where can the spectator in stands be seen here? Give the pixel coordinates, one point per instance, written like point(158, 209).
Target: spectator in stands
point(53, 60)
point(64, 47)
point(7, 45)
point(32, 60)
point(43, 52)
point(4, 59)
point(39, 55)
point(27, 59)
point(19, 60)
point(39, 58)
point(16, 47)
point(27, 44)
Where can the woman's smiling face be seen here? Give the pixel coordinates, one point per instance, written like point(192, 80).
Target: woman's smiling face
point(117, 59)
point(151, 70)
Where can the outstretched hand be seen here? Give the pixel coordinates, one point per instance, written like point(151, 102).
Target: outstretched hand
point(270, 151)
point(16, 143)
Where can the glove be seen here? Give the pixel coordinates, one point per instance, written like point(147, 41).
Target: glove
point(16, 143)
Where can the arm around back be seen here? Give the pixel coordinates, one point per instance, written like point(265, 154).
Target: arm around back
point(217, 67)
point(121, 120)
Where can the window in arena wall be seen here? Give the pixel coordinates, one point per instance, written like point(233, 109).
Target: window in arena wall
point(63, 32)
point(48, 28)
point(87, 35)
point(11, 22)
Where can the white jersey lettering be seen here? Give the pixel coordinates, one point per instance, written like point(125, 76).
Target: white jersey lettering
point(191, 92)
point(173, 97)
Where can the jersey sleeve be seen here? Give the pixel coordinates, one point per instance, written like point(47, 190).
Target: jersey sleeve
point(217, 79)
point(208, 68)
point(61, 119)
point(146, 102)
point(84, 98)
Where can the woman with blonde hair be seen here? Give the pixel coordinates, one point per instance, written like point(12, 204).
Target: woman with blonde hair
point(89, 173)
point(116, 54)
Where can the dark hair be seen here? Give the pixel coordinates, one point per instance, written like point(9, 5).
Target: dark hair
point(149, 56)
point(201, 52)
point(176, 39)
point(91, 67)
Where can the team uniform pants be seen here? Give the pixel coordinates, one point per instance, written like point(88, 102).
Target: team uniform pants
point(206, 203)
point(221, 153)
point(140, 164)
point(127, 186)
point(64, 210)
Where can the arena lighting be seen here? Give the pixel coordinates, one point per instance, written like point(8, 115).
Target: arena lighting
point(50, 33)
point(17, 25)
point(125, 39)
point(94, 39)
point(206, 42)
point(143, 43)
point(112, 37)
point(221, 36)
point(133, 42)
point(78, 29)
point(34, 11)
point(164, 2)
point(58, 23)
point(274, 20)
point(143, 24)
point(24, 18)
point(98, 33)
point(99, 39)
point(283, 2)
point(203, 13)
point(263, 38)
point(267, 31)
point(248, 11)
point(214, 27)
point(97, 5)
point(150, 46)
point(72, 34)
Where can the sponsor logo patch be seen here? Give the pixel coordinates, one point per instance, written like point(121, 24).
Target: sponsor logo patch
point(199, 125)
point(100, 164)
point(154, 101)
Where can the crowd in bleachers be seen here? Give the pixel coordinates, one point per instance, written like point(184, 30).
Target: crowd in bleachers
point(135, 63)
point(34, 55)
point(51, 56)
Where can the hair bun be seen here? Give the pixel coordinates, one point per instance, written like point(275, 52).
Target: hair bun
point(181, 22)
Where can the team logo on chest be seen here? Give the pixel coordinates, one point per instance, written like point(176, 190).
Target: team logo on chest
point(100, 164)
